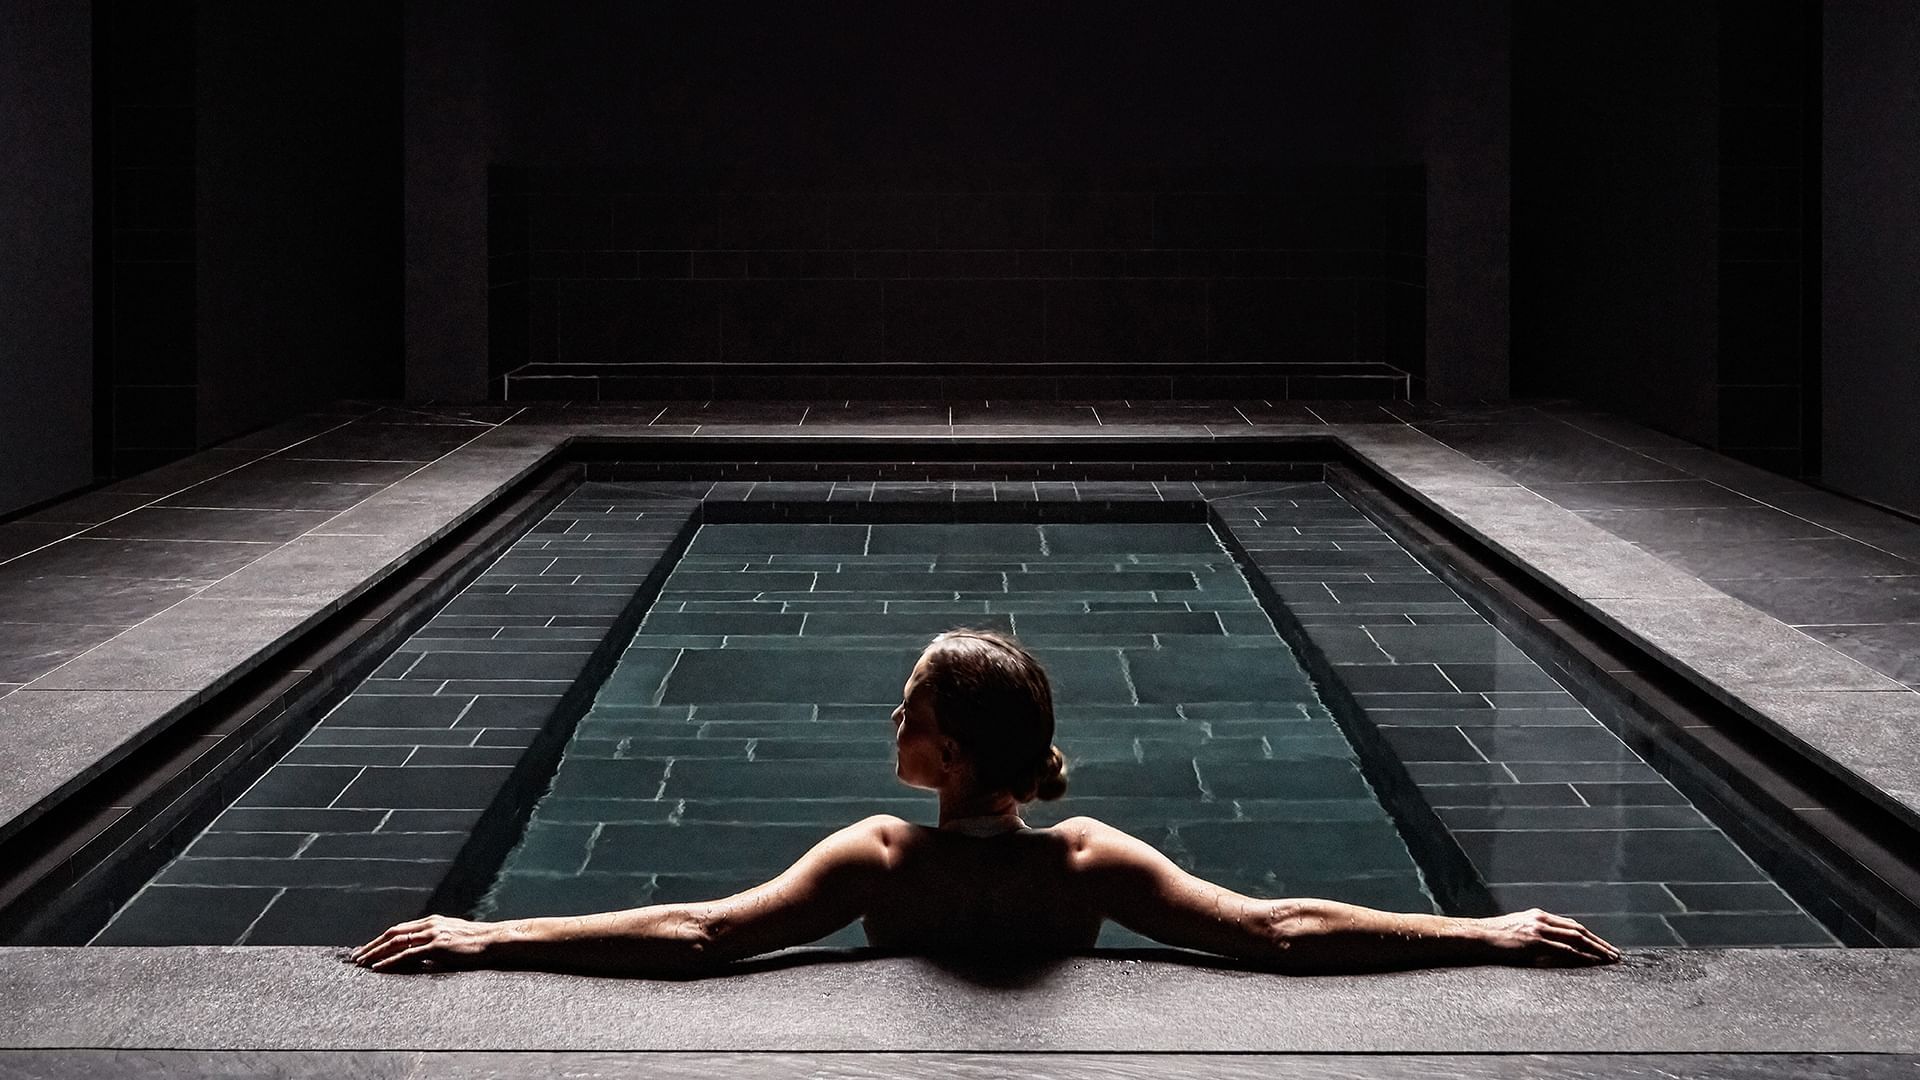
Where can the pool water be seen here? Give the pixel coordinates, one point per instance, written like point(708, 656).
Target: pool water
point(750, 716)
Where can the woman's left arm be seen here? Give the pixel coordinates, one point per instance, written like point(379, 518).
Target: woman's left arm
point(830, 886)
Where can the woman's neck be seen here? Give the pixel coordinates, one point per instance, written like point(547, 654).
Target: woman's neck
point(958, 805)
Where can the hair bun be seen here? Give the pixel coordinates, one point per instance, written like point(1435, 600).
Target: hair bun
point(1051, 781)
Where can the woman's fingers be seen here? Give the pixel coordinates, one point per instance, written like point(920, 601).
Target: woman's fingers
point(1587, 937)
point(384, 949)
point(414, 952)
point(1581, 943)
point(395, 939)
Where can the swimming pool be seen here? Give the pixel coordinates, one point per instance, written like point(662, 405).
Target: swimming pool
point(757, 718)
point(750, 715)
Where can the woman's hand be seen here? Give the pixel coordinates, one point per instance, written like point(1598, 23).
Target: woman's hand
point(435, 942)
point(1541, 939)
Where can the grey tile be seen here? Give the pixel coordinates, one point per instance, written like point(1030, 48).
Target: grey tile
point(1751, 896)
point(1446, 644)
point(1130, 539)
point(363, 710)
point(1740, 648)
point(266, 845)
point(1803, 601)
point(1393, 678)
point(518, 896)
point(1101, 623)
point(316, 570)
point(1630, 930)
point(1399, 593)
point(1594, 464)
point(146, 560)
point(765, 539)
point(1594, 743)
point(1327, 779)
point(30, 650)
point(1643, 495)
point(1869, 734)
point(790, 675)
point(1717, 930)
point(300, 873)
point(1167, 779)
point(1728, 524)
point(498, 666)
point(302, 820)
point(1624, 855)
point(300, 786)
point(796, 779)
point(1326, 850)
point(713, 622)
point(387, 844)
point(607, 778)
point(186, 915)
point(1498, 678)
point(1431, 744)
point(955, 539)
point(919, 627)
point(1183, 674)
point(321, 754)
point(1470, 771)
point(1588, 898)
point(335, 916)
point(439, 787)
point(363, 441)
point(702, 848)
point(1628, 770)
point(1572, 817)
point(19, 537)
point(88, 508)
point(1783, 559)
point(191, 648)
point(1601, 793)
point(177, 523)
point(1500, 795)
point(1892, 649)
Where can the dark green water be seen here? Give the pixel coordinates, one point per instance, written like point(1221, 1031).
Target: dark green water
point(750, 715)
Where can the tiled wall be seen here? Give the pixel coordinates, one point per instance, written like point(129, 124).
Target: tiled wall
point(146, 378)
point(1136, 266)
point(1769, 283)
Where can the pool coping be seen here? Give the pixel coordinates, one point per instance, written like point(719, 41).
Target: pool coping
point(306, 998)
point(1707, 637)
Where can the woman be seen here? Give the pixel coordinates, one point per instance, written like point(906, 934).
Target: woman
point(975, 724)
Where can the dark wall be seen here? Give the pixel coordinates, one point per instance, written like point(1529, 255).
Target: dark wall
point(148, 363)
point(1615, 208)
point(1870, 190)
point(728, 82)
point(46, 231)
point(1769, 254)
point(999, 271)
point(453, 52)
point(853, 91)
point(1466, 121)
point(298, 203)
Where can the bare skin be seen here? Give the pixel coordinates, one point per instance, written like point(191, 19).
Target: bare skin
point(934, 889)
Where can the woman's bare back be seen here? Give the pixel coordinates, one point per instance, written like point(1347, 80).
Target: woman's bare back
point(1015, 891)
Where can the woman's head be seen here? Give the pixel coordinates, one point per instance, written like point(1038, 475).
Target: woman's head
point(978, 701)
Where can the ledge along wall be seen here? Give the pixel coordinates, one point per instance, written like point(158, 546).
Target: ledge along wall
point(1002, 271)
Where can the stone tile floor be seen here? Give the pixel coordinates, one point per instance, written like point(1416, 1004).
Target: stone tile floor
point(52, 607)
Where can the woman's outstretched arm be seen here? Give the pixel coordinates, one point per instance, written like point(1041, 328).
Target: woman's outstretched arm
point(827, 888)
point(1142, 890)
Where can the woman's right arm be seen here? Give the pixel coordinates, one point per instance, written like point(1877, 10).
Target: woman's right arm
point(1142, 890)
